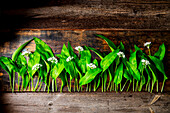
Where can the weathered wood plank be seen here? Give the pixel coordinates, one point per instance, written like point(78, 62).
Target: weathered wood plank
point(84, 102)
point(114, 14)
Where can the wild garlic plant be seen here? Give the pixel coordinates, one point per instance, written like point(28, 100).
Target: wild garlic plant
point(113, 72)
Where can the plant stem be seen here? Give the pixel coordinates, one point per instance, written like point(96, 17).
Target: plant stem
point(162, 86)
point(13, 82)
point(136, 89)
point(108, 85)
point(67, 81)
point(56, 88)
point(10, 82)
point(149, 87)
point(40, 86)
point(113, 86)
point(102, 84)
point(45, 87)
point(90, 88)
point(87, 87)
point(37, 84)
point(157, 88)
point(133, 84)
point(124, 85)
point(120, 86)
point(152, 86)
point(70, 83)
point(49, 84)
point(77, 85)
point(18, 82)
point(149, 51)
point(52, 85)
point(94, 86)
point(32, 83)
point(129, 86)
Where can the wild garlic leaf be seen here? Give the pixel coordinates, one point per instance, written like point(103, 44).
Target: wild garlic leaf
point(161, 52)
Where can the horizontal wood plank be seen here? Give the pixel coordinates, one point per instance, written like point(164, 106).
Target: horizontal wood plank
point(110, 14)
point(84, 102)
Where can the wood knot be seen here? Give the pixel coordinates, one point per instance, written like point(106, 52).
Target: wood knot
point(50, 103)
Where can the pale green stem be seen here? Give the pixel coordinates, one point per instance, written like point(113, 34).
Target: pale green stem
point(37, 84)
point(133, 84)
point(162, 86)
point(49, 84)
point(108, 85)
point(124, 85)
point(102, 84)
point(52, 85)
point(149, 51)
point(32, 79)
point(87, 87)
point(56, 87)
point(75, 85)
point(13, 89)
point(18, 82)
point(129, 86)
point(136, 89)
point(94, 86)
point(70, 83)
point(157, 88)
point(45, 87)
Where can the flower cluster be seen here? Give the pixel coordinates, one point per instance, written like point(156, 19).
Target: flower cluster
point(69, 58)
point(92, 66)
point(53, 60)
point(145, 62)
point(121, 54)
point(147, 44)
point(26, 53)
point(79, 48)
point(36, 66)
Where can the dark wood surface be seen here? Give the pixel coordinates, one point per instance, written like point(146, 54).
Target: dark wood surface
point(85, 102)
point(90, 14)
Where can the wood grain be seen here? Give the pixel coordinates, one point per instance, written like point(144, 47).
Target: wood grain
point(92, 14)
point(84, 102)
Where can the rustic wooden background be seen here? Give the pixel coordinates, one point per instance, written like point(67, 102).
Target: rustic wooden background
point(77, 21)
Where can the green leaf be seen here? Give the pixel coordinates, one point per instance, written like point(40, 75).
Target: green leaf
point(109, 42)
point(159, 65)
point(8, 65)
point(63, 78)
point(133, 59)
point(118, 74)
point(108, 60)
point(127, 75)
point(89, 76)
point(161, 52)
point(44, 50)
point(44, 70)
point(134, 71)
point(95, 62)
point(56, 70)
point(69, 67)
point(21, 61)
point(65, 51)
point(121, 47)
point(33, 61)
point(97, 52)
point(153, 71)
point(17, 52)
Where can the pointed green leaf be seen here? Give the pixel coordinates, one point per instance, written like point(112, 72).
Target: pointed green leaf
point(18, 51)
point(109, 42)
point(161, 52)
point(118, 74)
point(89, 76)
point(108, 60)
